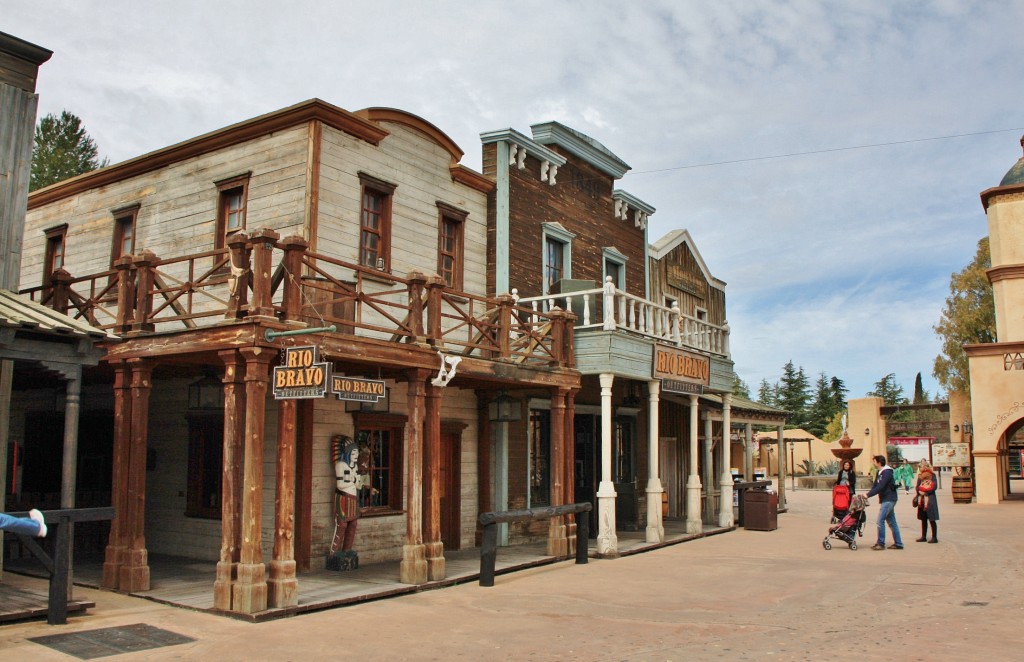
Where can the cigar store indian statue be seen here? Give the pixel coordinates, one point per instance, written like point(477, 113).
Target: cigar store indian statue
point(351, 469)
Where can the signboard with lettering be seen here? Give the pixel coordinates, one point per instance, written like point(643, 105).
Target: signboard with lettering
point(358, 390)
point(680, 278)
point(951, 455)
point(301, 375)
point(675, 365)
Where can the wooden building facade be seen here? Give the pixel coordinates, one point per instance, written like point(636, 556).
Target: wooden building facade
point(651, 338)
point(359, 236)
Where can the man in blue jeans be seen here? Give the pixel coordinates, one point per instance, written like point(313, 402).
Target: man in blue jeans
point(885, 488)
point(33, 525)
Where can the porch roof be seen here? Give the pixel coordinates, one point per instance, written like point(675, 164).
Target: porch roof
point(21, 314)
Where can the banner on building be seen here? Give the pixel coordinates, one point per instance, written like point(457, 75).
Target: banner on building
point(301, 375)
point(913, 449)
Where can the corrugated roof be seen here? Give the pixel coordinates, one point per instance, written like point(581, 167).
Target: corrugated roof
point(19, 312)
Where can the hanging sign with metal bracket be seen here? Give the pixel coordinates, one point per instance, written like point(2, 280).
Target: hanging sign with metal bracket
point(360, 390)
point(301, 375)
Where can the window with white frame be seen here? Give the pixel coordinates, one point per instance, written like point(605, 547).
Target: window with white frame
point(557, 258)
point(614, 266)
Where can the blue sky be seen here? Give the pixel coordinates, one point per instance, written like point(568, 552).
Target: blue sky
point(839, 261)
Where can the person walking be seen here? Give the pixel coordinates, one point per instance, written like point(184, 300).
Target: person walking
point(927, 502)
point(885, 489)
point(33, 525)
point(847, 476)
point(905, 475)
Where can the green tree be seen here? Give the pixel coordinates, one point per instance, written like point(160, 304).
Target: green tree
point(892, 396)
point(839, 391)
point(739, 387)
point(793, 394)
point(768, 394)
point(969, 317)
point(920, 395)
point(834, 429)
point(62, 150)
point(823, 408)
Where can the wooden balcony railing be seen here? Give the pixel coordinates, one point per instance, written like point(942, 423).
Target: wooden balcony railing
point(261, 276)
point(609, 308)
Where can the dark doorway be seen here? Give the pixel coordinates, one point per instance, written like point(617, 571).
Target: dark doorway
point(585, 469)
point(451, 491)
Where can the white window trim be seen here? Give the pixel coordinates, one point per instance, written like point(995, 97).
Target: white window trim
point(558, 233)
point(610, 254)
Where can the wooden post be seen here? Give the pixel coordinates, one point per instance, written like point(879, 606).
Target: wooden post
point(417, 282)
point(291, 297)
point(60, 281)
point(558, 323)
point(125, 294)
point(506, 303)
point(434, 548)
point(69, 466)
point(249, 594)
point(134, 572)
point(231, 479)
point(413, 568)
point(484, 454)
point(568, 485)
point(283, 586)
point(435, 288)
point(116, 549)
point(262, 242)
point(239, 259)
point(143, 264)
point(557, 543)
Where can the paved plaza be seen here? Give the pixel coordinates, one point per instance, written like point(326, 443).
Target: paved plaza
point(745, 595)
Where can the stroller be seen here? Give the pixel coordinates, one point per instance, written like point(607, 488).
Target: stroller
point(851, 524)
point(840, 502)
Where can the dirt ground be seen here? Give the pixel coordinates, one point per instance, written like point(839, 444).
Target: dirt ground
point(743, 595)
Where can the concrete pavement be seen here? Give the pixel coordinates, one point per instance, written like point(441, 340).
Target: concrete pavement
point(746, 595)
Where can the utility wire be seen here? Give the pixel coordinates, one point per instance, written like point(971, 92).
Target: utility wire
point(821, 151)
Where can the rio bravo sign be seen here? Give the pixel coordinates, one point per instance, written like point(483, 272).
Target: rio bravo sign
point(681, 372)
point(302, 375)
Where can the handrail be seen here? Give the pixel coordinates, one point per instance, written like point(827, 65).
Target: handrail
point(490, 521)
point(623, 311)
point(59, 566)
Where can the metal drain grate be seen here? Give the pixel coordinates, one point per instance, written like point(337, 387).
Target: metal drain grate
point(91, 644)
point(970, 603)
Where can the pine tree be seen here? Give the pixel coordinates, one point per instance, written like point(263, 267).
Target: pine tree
point(792, 394)
point(839, 391)
point(822, 409)
point(739, 387)
point(768, 394)
point(62, 150)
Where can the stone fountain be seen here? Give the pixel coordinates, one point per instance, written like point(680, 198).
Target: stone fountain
point(845, 452)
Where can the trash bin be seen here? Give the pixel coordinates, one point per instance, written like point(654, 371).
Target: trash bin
point(760, 510)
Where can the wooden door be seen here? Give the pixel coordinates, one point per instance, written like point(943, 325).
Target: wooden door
point(451, 492)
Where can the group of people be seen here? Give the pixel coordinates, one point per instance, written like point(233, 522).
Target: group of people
point(886, 487)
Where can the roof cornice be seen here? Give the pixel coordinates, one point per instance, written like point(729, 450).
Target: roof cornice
point(532, 147)
point(582, 146)
point(313, 109)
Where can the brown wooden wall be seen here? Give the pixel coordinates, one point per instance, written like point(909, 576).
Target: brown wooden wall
point(679, 275)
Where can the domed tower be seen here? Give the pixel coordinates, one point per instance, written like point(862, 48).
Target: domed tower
point(997, 369)
point(1004, 205)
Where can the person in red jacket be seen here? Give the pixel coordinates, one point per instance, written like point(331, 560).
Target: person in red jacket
point(927, 502)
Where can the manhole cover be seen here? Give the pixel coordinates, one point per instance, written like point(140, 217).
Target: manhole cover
point(91, 644)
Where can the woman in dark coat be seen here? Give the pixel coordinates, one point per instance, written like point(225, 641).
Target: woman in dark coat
point(927, 502)
point(847, 476)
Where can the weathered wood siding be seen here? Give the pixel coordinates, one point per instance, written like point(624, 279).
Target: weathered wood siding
point(581, 201)
point(688, 284)
point(178, 213)
point(418, 167)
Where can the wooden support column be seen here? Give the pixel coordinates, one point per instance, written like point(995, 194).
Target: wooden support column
point(134, 572)
point(413, 568)
point(249, 594)
point(607, 539)
point(725, 517)
point(693, 522)
point(484, 459)
point(557, 543)
point(69, 468)
point(231, 479)
point(783, 468)
point(283, 586)
point(655, 527)
point(434, 548)
point(568, 484)
point(116, 549)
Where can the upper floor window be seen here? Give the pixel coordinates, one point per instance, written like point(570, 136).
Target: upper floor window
point(55, 248)
point(375, 222)
point(231, 207)
point(557, 255)
point(124, 232)
point(450, 244)
point(615, 266)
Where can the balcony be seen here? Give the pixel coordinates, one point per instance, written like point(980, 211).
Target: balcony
point(611, 309)
point(280, 283)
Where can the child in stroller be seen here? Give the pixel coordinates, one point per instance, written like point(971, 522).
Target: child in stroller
point(850, 525)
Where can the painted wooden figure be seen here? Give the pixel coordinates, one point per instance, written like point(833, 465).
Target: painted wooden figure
point(350, 475)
